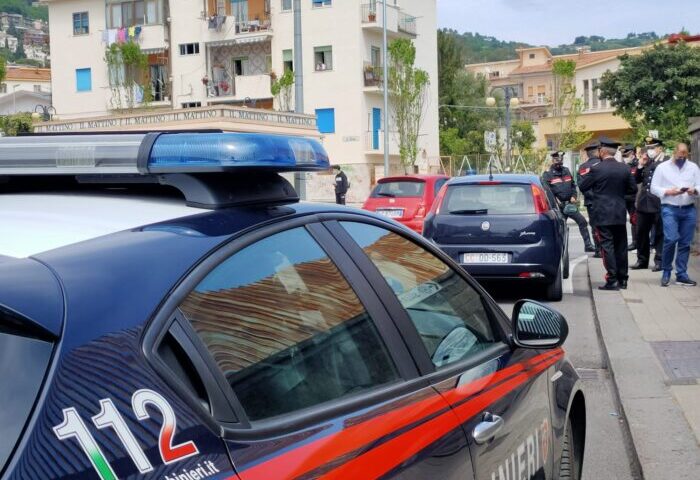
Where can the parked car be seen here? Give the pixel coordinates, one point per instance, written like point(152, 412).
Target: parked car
point(504, 226)
point(169, 310)
point(407, 199)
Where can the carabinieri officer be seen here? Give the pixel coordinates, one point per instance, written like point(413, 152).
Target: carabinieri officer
point(563, 186)
point(609, 182)
point(592, 159)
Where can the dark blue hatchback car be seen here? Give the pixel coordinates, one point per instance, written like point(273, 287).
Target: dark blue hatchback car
point(178, 314)
point(504, 226)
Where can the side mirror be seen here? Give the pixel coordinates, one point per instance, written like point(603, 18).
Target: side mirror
point(538, 326)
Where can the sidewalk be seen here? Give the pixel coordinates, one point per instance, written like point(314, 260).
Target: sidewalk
point(652, 340)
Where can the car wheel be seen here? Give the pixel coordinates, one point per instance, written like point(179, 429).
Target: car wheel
point(566, 264)
point(554, 291)
point(570, 464)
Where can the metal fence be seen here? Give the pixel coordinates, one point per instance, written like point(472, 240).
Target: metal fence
point(482, 163)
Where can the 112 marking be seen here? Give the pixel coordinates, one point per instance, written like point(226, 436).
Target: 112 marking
point(109, 417)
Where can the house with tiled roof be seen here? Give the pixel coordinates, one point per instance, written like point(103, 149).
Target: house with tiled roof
point(531, 76)
point(24, 88)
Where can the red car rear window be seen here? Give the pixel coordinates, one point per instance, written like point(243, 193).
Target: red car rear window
point(399, 189)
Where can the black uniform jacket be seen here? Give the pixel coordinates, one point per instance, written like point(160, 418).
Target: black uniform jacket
point(633, 166)
point(341, 183)
point(583, 170)
point(609, 181)
point(647, 202)
point(561, 182)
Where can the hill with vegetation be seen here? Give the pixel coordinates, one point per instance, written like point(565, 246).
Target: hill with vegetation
point(24, 8)
point(479, 48)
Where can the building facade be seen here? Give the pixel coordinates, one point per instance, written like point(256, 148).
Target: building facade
point(227, 52)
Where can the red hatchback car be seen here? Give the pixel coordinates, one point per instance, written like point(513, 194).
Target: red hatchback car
point(407, 198)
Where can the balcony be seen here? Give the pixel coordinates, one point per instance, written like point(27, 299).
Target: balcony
point(228, 21)
point(398, 23)
point(153, 38)
point(240, 88)
point(372, 77)
point(374, 143)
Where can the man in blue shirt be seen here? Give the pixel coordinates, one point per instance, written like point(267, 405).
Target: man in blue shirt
point(677, 183)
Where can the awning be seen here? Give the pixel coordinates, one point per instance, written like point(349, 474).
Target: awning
point(241, 40)
point(152, 51)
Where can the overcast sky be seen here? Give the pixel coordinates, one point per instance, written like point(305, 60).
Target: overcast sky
point(554, 22)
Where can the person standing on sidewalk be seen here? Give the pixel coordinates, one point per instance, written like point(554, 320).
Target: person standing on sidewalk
point(341, 185)
point(591, 150)
point(630, 158)
point(677, 184)
point(610, 182)
point(649, 207)
point(563, 186)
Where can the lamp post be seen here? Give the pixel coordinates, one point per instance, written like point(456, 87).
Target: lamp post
point(511, 98)
point(47, 113)
point(385, 89)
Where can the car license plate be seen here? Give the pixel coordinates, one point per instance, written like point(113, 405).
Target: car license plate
point(485, 258)
point(391, 212)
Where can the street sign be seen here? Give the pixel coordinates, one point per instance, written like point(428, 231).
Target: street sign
point(654, 133)
point(490, 141)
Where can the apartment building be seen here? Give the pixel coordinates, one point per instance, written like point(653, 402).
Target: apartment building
point(24, 88)
point(203, 53)
point(530, 75)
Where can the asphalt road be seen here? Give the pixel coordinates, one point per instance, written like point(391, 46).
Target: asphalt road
point(607, 453)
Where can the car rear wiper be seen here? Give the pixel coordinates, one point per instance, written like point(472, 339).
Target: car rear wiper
point(381, 194)
point(481, 211)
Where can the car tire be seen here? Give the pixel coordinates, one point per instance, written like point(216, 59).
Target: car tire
point(566, 264)
point(554, 291)
point(570, 464)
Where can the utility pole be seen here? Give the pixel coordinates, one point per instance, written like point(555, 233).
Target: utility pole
point(299, 177)
point(385, 58)
point(508, 131)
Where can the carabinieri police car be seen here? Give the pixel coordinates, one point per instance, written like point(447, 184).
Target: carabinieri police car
point(169, 310)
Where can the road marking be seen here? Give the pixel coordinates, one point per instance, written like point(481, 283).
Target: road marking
point(569, 282)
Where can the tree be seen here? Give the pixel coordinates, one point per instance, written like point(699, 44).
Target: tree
point(3, 69)
point(281, 89)
point(408, 87)
point(16, 123)
point(523, 134)
point(567, 108)
point(126, 67)
point(657, 90)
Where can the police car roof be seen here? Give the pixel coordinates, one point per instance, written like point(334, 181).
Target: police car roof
point(497, 177)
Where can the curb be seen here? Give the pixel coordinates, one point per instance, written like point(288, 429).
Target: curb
point(662, 442)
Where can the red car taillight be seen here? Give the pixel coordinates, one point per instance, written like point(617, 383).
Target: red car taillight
point(435, 209)
point(421, 210)
point(540, 200)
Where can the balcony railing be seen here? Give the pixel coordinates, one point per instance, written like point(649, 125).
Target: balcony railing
point(407, 23)
point(372, 75)
point(262, 24)
point(369, 13)
point(239, 87)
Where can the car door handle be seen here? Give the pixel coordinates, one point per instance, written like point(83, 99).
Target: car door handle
point(488, 428)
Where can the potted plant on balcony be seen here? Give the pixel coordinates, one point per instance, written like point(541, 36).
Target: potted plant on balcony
point(224, 86)
point(372, 16)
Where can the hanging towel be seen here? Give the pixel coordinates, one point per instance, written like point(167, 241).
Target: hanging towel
point(121, 35)
point(111, 36)
point(132, 32)
point(105, 37)
point(138, 30)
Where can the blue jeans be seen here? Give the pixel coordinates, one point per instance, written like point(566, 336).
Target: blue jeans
point(679, 225)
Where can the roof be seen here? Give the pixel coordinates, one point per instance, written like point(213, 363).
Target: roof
point(32, 74)
point(498, 177)
point(582, 60)
point(35, 223)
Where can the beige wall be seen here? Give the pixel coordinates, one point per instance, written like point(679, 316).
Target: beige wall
point(540, 56)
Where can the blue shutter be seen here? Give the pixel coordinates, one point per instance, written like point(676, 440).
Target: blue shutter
point(83, 79)
point(325, 120)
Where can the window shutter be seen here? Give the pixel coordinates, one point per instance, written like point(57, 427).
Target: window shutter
point(227, 7)
point(211, 7)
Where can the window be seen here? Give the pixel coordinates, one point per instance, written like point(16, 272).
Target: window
point(447, 312)
point(288, 60)
point(399, 189)
point(594, 92)
point(532, 56)
point(323, 58)
point(321, 3)
point(240, 66)
point(325, 119)
point(586, 95)
point(3, 88)
point(376, 57)
point(83, 79)
point(189, 49)
point(191, 104)
point(494, 199)
point(438, 185)
point(130, 13)
point(37, 88)
point(81, 24)
point(286, 329)
point(286, 5)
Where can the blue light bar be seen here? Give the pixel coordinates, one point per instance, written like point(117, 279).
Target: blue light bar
point(207, 152)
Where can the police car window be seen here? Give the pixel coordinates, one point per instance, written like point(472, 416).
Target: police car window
point(447, 312)
point(286, 329)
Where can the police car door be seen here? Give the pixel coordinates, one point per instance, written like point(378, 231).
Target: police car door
point(458, 337)
point(321, 382)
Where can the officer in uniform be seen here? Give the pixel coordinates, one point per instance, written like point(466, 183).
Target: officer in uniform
point(593, 159)
point(629, 156)
point(563, 186)
point(609, 181)
point(341, 185)
point(649, 207)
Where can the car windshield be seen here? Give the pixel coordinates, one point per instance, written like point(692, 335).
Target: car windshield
point(399, 189)
point(499, 199)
